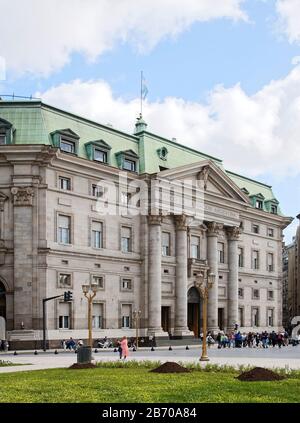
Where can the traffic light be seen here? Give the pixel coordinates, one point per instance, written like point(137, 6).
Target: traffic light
point(68, 296)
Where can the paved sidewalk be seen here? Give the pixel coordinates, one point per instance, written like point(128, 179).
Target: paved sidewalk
point(288, 357)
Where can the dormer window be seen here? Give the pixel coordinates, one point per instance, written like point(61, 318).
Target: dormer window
point(128, 160)
point(274, 209)
point(6, 132)
point(129, 165)
point(259, 204)
point(66, 140)
point(100, 156)
point(98, 151)
point(2, 137)
point(67, 146)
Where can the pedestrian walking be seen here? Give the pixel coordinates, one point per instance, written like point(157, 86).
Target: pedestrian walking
point(124, 346)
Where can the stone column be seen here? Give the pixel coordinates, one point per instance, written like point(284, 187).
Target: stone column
point(233, 236)
point(154, 276)
point(212, 257)
point(181, 299)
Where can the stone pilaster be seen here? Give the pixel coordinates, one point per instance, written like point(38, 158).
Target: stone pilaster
point(213, 229)
point(23, 257)
point(181, 300)
point(232, 237)
point(154, 276)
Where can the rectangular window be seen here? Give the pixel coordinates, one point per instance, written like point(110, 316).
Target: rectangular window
point(126, 285)
point(241, 257)
point(255, 317)
point(270, 232)
point(100, 156)
point(65, 183)
point(64, 316)
point(126, 243)
point(259, 204)
point(195, 247)
point(98, 280)
point(129, 165)
point(165, 244)
point(221, 252)
point(255, 229)
point(97, 316)
point(270, 262)
point(241, 293)
point(64, 229)
point(97, 191)
point(241, 316)
point(97, 234)
point(67, 146)
point(255, 259)
point(255, 293)
point(65, 280)
point(270, 295)
point(126, 316)
point(270, 317)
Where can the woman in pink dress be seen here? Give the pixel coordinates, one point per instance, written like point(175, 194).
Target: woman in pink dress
point(124, 347)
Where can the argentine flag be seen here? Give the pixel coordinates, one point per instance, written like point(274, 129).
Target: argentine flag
point(144, 88)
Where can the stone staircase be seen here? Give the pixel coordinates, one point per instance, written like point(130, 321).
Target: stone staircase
point(177, 342)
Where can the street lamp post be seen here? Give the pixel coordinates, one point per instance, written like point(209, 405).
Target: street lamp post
point(136, 316)
point(204, 282)
point(90, 291)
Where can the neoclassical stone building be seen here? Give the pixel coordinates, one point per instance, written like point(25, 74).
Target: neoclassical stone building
point(53, 170)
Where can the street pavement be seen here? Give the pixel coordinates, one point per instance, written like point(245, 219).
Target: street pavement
point(286, 357)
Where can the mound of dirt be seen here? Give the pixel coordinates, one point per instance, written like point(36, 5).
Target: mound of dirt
point(78, 366)
point(170, 367)
point(259, 374)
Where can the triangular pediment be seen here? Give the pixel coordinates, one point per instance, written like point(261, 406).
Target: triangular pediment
point(209, 176)
point(66, 132)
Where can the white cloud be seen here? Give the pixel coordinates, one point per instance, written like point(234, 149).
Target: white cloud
point(253, 134)
point(295, 60)
point(289, 19)
point(39, 36)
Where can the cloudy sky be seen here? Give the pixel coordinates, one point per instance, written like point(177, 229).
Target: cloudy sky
point(223, 75)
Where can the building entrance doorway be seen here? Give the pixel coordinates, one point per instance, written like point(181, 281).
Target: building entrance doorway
point(194, 312)
point(221, 318)
point(165, 319)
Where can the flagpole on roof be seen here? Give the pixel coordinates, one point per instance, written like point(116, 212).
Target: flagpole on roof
point(141, 93)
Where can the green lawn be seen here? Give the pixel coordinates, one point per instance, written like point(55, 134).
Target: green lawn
point(110, 385)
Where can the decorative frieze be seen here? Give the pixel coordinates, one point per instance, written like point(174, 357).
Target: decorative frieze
point(22, 196)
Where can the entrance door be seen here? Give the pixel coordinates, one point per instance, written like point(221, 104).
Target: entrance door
point(221, 318)
point(165, 319)
point(2, 301)
point(194, 312)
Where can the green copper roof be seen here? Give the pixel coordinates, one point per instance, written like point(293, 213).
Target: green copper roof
point(34, 121)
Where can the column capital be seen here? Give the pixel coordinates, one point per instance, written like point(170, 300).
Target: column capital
point(154, 219)
point(180, 222)
point(22, 196)
point(233, 233)
point(213, 228)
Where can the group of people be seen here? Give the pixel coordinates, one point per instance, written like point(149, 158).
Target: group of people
point(70, 344)
point(237, 339)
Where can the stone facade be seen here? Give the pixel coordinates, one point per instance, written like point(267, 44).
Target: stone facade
point(291, 277)
point(53, 239)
